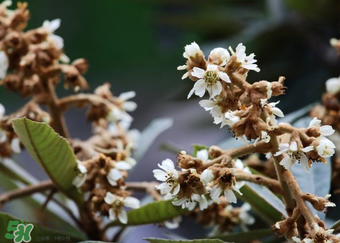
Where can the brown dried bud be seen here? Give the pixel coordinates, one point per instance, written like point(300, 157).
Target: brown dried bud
point(81, 64)
point(319, 203)
point(278, 87)
point(188, 162)
point(287, 227)
point(215, 151)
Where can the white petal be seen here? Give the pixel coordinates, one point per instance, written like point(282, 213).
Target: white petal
point(176, 189)
point(230, 196)
point(203, 154)
point(2, 110)
point(122, 216)
point(277, 112)
point(200, 87)
point(206, 104)
point(326, 130)
point(216, 89)
point(293, 146)
point(15, 145)
point(224, 77)
point(215, 192)
point(198, 72)
point(127, 95)
point(122, 165)
point(207, 176)
point(286, 162)
point(112, 215)
point(307, 149)
point(109, 198)
point(129, 106)
point(160, 175)
point(167, 165)
point(304, 162)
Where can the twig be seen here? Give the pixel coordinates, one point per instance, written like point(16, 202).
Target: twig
point(272, 184)
point(58, 122)
point(148, 187)
point(26, 191)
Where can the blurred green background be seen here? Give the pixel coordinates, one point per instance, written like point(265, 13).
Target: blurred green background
point(137, 45)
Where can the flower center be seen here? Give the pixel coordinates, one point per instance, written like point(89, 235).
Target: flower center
point(170, 179)
point(295, 155)
point(211, 77)
point(117, 205)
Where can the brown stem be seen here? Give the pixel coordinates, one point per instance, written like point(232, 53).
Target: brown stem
point(290, 204)
point(58, 122)
point(229, 154)
point(272, 184)
point(148, 187)
point(26, 191)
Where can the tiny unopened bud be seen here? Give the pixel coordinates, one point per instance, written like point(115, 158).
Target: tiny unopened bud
point(215, 151)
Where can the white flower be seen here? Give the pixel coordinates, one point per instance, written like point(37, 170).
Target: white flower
point(190, 203)
point(325, 148)
point(169, 176)
point(333, 85)
point(215, 111)
point(325, 130)
point(222, 54)
point(203, 154)
point(264, 137)
point(15, 145)
point(247, 62)
point(125, 104)
point(191, 50)
point(231, 118)
point(293, 154)
point(115, 174)
point(117, 114)
point(207, 176)
point(173, 223)
point(4, 62)
point(79, 180)
point(228, 194)
point(118, 205)
point(275, 112)
point(245, 217)
point(50, 27)
point(239, 165)
point(5, 4)
point(208, 80)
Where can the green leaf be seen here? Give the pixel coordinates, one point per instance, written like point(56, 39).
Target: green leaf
point(245, 236)
point(198, 147)
point(52, 152)
point(154, 212)
point(37, 232)
point(267, 206)
point(149, 134)
point(157, 240)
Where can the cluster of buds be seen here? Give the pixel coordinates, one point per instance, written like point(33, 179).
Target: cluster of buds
point(31, 64)
point(102, 180)
point(224, 217)
point(198, 182)
point(210, 179)
point(244, 107)
point(35, 58)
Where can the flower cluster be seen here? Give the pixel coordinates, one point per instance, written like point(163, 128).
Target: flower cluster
point(224, 217)
point(198, 183)
point(31, 64)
